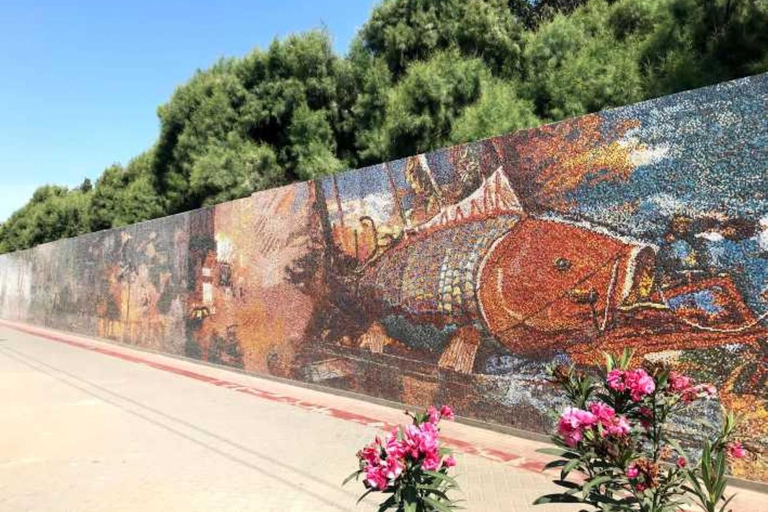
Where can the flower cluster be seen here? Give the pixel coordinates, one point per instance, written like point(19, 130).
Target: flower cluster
point(600, 436)
point(683, 386)
point(384, 461)
point(575, 422)
point(637, 382)
point(409, 456)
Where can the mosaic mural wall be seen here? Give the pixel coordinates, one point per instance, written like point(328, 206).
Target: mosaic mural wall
point(456, 275)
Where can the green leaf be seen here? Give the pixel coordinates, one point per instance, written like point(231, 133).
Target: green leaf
point(568, 468)
point(431, 490)
point(558, 453)
point(595, 482)
point(726, 502)
point(354, 475)
point(389, 503)
point(366, 493)
point(437, 505)
point(567, 484)
point(441, 477)
point(556, 464)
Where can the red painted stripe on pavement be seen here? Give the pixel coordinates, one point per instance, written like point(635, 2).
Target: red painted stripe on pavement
point(457, 444)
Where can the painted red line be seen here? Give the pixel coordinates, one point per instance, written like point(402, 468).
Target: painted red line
point(501, 455)
point(532, 465)
point(456, 444)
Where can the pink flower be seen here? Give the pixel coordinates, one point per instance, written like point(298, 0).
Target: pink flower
point(395, 448)
point(615, 380)
point(449, 462)
point(681, 462)
point(577, 418)
point(679, 382)
point(392, 468)
point(639, 384)
point(376, 477)
point(427, 439)
point(604, 412)
point(371, 453)
point(572, 437)
point(572, 422)
point(632, 471)
point(641, 487)
point(736, 450)
point(618, 427)
point(434, 414)
point(613, 425)
point(421, 441)
point(447, 412)
point(431, 462)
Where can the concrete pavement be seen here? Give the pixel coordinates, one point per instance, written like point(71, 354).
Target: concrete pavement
point(91, 426)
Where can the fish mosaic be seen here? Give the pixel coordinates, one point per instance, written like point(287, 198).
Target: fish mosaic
point(455, 276)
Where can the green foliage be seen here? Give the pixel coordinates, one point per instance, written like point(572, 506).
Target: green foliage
point(124, 196)
point(500, 109)
point(283, 107)
point(699, 42)
point(395, 467)
point(575, 65)
point(404, 31)
point(640, 467)
point(419, 75)
point(422, 107)
point(312, 146)
point(234, 169)
point(708, 480)
point(53, 212)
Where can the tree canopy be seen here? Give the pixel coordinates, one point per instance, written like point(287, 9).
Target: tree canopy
point(420, 74)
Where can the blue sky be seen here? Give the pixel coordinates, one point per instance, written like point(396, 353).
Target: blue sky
point(81, 82)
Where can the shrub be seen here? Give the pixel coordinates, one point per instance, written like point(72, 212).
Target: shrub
point(410, 466)
point(615, 451)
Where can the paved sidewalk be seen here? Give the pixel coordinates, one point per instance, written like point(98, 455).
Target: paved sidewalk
point(91, 426)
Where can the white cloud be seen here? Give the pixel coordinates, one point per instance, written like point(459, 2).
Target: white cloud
point(762, 237)
point(645, 155)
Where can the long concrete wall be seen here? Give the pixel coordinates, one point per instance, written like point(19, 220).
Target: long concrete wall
point(454, 276)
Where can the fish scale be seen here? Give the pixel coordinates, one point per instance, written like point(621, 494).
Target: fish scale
point(435, 273)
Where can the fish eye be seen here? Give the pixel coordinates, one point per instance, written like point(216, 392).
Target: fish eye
point(563, 264)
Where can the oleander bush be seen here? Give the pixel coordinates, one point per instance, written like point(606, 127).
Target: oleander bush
point(409, 467)
point(615, 450)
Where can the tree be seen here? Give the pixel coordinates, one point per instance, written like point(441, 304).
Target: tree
point(234, 169)
point(312, 148)
point(256, 101)
point(575, 65)
point(700, 42)
point(125, 195)
point(422, 107)
point(405, 31)
point(86, 186)
point(53, 212)
point(500, 109)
